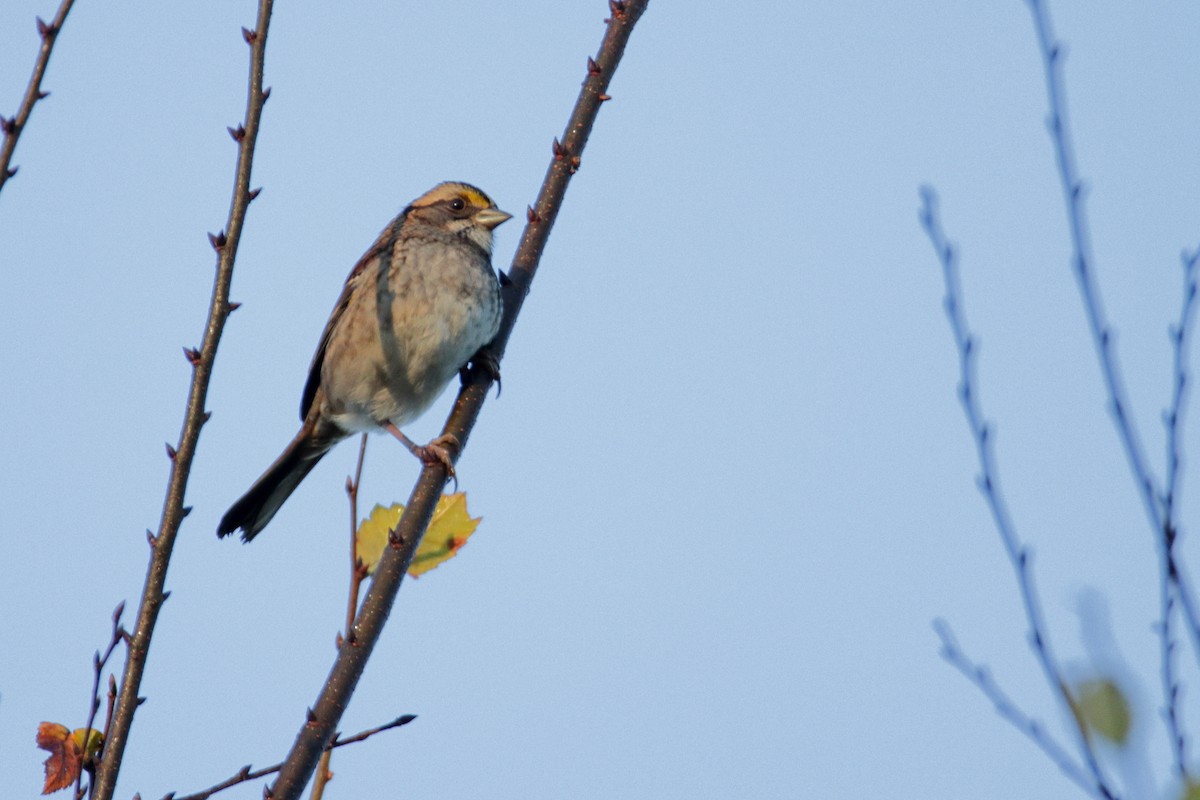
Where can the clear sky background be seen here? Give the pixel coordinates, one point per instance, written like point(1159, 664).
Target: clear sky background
point(727, 486)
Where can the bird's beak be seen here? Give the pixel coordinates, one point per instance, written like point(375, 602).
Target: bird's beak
point(491, 217)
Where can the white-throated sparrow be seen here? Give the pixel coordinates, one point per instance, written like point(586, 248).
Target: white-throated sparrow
point(415, 309)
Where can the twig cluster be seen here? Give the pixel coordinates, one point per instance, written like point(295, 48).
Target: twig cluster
point(1160, 505)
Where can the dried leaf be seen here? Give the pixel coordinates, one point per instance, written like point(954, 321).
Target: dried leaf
point(449, 530)
point(69, 751)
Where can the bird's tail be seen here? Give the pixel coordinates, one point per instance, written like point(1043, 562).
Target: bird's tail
point(256, 507)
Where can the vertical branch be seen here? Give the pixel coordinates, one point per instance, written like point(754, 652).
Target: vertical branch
point(1018, 553)
point(1172, 420)
point(12, 126)
point(226, 244)
point(323, 718)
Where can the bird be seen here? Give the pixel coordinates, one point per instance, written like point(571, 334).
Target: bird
point(416, 309)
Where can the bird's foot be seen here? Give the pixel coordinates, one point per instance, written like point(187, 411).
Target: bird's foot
point(485, 360)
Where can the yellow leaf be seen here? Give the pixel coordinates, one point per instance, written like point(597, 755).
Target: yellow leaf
point(449, 530)
point(1104, 709)
point(1191, 791)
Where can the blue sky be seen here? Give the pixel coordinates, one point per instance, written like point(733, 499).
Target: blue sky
point(727, 486)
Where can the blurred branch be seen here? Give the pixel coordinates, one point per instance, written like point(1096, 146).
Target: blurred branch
point(181, 455)
point(1052, 55)
point(982, 678)
point(1018, 554)
point(13, 126)
point(361, 638)
point(246, 774)
point(1172, 420)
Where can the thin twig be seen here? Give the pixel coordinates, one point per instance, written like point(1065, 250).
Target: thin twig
point(360, 640)
point(247, 774)
point(1173, 421)
point(99, 661)
point(174, 511)
point(358, 573)
point(1018, 553)
point(13, 126)
point(1006, 708)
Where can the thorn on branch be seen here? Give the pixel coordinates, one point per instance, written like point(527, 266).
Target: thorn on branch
point(217, 240)
point(205, 417)
point(185, 510)
point(8, 125)
point(254, 193)
point(150, 538)
point(42, 95)
point(532, 215)
point(266, 93)
point(45, 29)
point(141, 700)
point(311, 716)
point(559, 151)
point(237, 133)
point(233, 307)
point(192, 355)
point(617, 7)
point(249, 35)
point(12, 171)
point(171, 451)
point(593, 67)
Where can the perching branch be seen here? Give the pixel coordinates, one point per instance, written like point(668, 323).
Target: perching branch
point(181, 455)
point(246, 774)
point(13, 126)
point(1018, 554)
point(360, 640)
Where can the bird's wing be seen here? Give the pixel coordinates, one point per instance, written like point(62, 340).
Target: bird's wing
point(385, 243)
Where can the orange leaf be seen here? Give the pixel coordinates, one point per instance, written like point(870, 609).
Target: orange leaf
point(65, 759)
point(69, 751)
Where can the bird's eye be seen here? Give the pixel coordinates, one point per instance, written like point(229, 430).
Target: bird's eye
point(458, 204)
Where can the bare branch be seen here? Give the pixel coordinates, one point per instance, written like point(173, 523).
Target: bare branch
point(1018, 554)
point(1173, 420)
point(360, 640)
point(247, 774)
point(1052, 57)
point(119, 634)
point(174, 511)
point(1007, 709)
point(13, 126)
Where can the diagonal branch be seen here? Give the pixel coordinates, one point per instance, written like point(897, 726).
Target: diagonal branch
point(360, 639)
point(174, 511)
point(1006, 708)
point(13, 126)
point(981, 432)
point(248, 774)
point(1081, 261)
